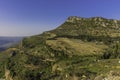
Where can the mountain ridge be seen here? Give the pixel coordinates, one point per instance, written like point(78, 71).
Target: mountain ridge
point(78, 26)
point(96, 17)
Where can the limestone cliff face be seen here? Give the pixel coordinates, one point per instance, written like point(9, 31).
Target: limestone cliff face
point(73, 18)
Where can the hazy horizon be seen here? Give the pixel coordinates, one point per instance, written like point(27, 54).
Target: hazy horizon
point(31, 17)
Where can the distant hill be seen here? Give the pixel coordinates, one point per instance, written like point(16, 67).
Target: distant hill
point(79, 49)
point(94, 26)
point(6, 42)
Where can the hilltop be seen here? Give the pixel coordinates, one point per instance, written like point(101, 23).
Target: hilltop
point(95, 26)
point(79, 49)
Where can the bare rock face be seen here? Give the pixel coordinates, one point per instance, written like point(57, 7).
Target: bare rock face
point(73, 18)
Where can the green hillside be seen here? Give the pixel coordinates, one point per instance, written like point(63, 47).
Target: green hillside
point(79, 49)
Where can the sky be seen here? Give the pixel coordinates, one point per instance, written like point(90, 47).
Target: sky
point(31, 17)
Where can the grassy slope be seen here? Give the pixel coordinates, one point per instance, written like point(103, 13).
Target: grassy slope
point(77, 47)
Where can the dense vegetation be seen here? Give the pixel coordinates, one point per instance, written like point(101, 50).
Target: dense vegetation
point(81, 48)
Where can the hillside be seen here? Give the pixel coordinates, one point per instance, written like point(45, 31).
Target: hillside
point(95, 26)
point(79, 49)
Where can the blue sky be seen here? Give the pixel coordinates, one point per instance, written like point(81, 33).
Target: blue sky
point(29, 17)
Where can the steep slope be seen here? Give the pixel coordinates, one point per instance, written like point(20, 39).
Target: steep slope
point(79, 49)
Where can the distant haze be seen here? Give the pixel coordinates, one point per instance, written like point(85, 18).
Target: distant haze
point(30, 17)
